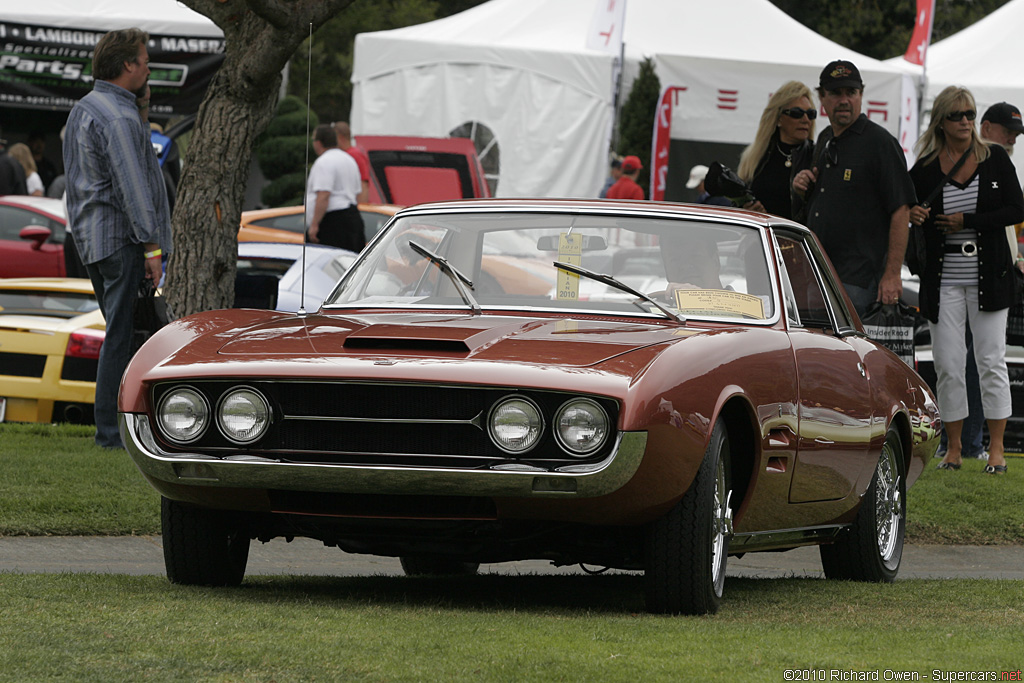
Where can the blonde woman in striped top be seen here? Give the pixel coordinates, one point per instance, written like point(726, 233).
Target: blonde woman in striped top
point(969, 271)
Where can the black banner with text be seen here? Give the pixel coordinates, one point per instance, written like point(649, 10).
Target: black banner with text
point(45, 67)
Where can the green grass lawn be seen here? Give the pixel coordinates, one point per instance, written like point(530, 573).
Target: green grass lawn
point(87, 627)
point(493, 628)
point(57, 482)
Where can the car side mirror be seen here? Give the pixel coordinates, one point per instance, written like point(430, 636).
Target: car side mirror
point(37, 234)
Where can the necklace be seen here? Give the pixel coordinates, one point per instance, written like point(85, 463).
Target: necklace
point(789, 157)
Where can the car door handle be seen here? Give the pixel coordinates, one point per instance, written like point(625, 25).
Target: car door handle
point(822, 440)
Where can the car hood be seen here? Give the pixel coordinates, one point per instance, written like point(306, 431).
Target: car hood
point(571, 343)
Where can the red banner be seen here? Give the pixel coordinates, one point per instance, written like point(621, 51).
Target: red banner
point(660, 144)
point(918, 48)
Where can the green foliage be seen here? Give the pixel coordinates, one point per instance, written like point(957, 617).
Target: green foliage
point(284, 191)
point(283, 151)
point(334, 43)
point(882, 28)
point(636, 119)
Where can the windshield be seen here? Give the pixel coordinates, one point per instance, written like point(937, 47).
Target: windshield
point(698, 269)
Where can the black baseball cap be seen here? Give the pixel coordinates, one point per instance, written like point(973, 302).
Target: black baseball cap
point(1005, 114)
point(840, 74)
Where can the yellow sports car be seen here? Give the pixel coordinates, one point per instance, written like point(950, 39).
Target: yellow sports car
point(51, 331)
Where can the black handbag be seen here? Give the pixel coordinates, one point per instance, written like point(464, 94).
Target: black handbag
point(892, 326)
point(150, 314)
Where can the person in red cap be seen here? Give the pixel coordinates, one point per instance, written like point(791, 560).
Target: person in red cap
point(626, 187)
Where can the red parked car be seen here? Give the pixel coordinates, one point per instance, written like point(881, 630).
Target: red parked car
point(32, 231)
point(411, 170)
point(691, 382)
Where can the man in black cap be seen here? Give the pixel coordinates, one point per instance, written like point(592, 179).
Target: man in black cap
point(1002, 124)
point(857, 193)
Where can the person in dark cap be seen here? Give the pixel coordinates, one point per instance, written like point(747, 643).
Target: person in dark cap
point(625, 187)
point(856, 194)
point(1002, 124)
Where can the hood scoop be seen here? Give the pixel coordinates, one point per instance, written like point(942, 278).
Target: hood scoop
point(405, 344)
point(460, 336)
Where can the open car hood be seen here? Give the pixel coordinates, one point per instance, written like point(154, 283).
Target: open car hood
point(573, 343)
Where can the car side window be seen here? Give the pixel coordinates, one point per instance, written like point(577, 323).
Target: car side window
point(13, 219)
point(808, 296)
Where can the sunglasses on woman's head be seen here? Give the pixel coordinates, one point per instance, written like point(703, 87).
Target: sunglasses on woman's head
point(959, 115)
point(798, 113)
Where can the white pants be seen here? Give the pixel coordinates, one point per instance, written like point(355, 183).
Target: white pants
point(957, 306)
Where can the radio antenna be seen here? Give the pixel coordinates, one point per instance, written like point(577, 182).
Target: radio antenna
point(305, 194)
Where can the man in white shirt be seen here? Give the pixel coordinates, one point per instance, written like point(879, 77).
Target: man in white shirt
point(331, 192)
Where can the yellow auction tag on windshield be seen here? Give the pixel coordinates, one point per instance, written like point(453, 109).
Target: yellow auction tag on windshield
point(570, 250)
point(719, 302)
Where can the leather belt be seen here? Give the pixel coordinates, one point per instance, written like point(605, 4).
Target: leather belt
point(969, 248)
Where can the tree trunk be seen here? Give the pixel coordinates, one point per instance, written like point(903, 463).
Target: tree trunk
point(260, 37)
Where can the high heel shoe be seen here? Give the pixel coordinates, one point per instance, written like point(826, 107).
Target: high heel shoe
point(949, 466)
point(995, 469)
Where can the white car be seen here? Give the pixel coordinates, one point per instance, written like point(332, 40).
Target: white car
point(269, 274)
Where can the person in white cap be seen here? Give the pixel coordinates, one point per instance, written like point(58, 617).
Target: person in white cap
point(696, 181)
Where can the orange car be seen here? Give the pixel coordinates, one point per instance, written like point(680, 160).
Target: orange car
point(286, 224)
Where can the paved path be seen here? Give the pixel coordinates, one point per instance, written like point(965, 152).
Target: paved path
point(141, 555)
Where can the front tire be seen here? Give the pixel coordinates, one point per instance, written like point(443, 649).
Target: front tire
point(687, 549)
point(202, 547)
point(872, 547)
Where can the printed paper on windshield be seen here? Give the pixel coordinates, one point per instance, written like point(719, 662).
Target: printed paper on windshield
point(719, 302)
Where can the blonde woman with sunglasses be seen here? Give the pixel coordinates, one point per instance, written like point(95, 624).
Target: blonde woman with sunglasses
point(968, 275)
point(783, 140)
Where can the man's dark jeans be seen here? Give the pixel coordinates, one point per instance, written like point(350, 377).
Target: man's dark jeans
point(116, 281)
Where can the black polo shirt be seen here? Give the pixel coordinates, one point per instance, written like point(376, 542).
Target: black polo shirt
point(862, 180)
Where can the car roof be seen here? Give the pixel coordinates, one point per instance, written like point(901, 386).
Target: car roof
point(54, 207)
point(599, 206)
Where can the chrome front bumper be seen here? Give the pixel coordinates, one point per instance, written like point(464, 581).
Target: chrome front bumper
point(257, 472)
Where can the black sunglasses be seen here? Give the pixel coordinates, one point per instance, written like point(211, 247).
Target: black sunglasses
point(959, 115)
point(798, 113)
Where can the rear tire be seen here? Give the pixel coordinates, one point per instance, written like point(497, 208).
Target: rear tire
point(202, 547)
point(687, 549)
point(419, 565)
point(872, 547)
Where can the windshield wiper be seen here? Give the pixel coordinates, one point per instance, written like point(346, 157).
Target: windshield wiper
point(462, 283)
point(609, 280)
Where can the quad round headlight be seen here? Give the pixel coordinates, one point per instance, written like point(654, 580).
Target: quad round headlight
point(243, 415)
point(515, 424)
point(183, 415)
point(581, 426)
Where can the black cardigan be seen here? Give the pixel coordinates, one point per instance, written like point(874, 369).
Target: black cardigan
point(1000, 203)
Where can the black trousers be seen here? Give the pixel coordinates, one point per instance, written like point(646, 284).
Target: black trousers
point(343, 229)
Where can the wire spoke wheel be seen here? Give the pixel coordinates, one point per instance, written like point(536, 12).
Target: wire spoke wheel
point(871, 548)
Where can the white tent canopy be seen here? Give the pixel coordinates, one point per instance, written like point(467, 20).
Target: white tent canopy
point(153, 16)
point(982, 58)
point(522, 69)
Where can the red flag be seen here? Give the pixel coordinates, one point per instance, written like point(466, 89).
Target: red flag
point(922, 36)
point(660, 143)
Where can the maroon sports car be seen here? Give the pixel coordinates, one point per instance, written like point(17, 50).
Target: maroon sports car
point(632, 385)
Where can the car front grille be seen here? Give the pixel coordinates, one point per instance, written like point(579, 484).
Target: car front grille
point(361, 423)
